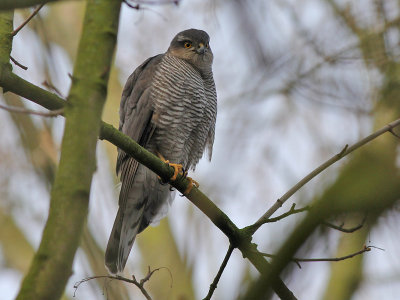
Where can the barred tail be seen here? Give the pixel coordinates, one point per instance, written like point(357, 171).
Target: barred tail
point(121, 240)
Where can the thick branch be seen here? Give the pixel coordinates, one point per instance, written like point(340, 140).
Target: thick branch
point(52, 264)
point(239, 238)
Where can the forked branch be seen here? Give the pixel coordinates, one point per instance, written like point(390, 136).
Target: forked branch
point(139, 284)
point(345, 151)
point(297, 260)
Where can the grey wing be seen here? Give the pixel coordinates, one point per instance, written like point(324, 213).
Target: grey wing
point(212, 111)
point(136, 112)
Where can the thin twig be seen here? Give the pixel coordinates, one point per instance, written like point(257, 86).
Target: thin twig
point(136, 6)
point(50, 86)
point(292, 211)
point(150, 2)
point(20, 110)
point(298, 260)
point(345, 151)
point(18, 64)
point(345, 230)
point(139, 284)
point(15, 31)
point(394, 133)
point(214, 284)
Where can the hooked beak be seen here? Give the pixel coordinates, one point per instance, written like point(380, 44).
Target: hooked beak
point(201, 49)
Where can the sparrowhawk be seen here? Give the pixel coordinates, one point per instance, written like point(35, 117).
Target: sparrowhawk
point(169, 106)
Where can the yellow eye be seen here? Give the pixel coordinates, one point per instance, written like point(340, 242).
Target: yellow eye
point(207, 45)
point(187, 45)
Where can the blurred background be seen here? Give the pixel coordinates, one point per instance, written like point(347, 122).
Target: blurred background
point(296, 81)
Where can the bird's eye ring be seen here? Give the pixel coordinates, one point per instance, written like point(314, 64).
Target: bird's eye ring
point(187, 45)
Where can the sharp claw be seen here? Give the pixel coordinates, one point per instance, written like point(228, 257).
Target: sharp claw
point(177, 170)
point(192, 183)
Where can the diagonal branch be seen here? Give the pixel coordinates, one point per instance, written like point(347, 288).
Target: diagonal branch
point(297, 259)
point(34, 13)
point(214, 284)
point(70, 191)
point(14, 109)
point(345, 230)
point(18, 63)
point(345, 151)
point(238, 238)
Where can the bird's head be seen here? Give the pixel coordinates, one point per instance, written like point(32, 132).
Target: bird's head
point(193, 46)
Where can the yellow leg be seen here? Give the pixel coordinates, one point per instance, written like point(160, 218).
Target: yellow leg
point(192, 183)
point(178, 168)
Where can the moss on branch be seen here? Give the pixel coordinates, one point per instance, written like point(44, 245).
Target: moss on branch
point(52, 264)
point(71, 189)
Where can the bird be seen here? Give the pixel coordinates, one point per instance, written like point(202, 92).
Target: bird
point(168, 106)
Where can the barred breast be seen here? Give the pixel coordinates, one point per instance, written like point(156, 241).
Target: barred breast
point(185, 107)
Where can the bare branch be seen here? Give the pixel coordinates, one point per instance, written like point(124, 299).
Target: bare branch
point(139, 284)
point(214, 284)
point(241, 238)
point(394, 133)
point(34, 13)
point(346, 230)
point(297, 260)
point(292, 211)
point(50, 86)
point(138, 3)
point(136, 6)
point(20, 110)
point(346, 150)
point(18, 64)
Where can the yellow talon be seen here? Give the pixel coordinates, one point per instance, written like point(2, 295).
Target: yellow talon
point(192, 183)
point(178, 169)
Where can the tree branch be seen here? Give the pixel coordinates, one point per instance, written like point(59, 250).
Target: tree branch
point(377, 191)
point(291, 211)
point(345, 230)
point(21, 110)
point(18, 64)
point(239, 238)
point(70, 191)
point(15, 31)
point(297, 259)
point(139, 284)
point(345, 151)
point(214, 284)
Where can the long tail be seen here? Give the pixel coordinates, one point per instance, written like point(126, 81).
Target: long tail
point(121, 241)
point(146, 202)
